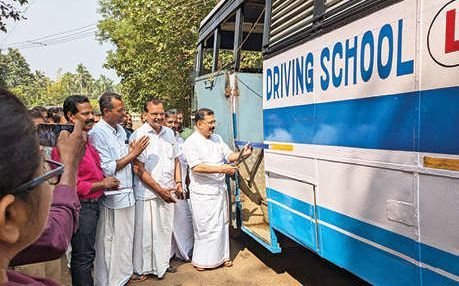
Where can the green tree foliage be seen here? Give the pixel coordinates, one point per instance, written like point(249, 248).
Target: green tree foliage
point(18, 70)
point(35, 88)
point(155, 47)
point(10, 11)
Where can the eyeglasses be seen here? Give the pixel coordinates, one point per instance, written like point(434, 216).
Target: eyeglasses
point(52, 171)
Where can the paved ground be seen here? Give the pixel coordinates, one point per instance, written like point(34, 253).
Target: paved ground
point(255, 266)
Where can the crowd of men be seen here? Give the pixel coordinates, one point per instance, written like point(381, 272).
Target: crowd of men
point(146, 195)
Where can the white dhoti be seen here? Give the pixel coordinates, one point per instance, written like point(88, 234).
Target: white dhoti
point(182, 236)
point(152, 236)
point(114, 243)
point(211, 229)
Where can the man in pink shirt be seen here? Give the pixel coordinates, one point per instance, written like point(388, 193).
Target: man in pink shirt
point(90, 188)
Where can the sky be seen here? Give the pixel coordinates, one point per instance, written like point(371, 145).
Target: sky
point(48, 17)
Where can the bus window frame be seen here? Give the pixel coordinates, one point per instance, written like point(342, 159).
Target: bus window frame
point(323, 22)
point(238, 38)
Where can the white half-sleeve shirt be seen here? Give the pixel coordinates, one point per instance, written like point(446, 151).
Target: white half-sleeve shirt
point(112, 145)
point(211, 151)
point(158, 158)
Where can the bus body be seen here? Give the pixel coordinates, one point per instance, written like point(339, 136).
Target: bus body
point(355, 123)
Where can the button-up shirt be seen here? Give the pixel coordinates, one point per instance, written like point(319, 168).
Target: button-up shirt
point(112, 144)
point(211, 151)
point(89, 172)
point(158, 158)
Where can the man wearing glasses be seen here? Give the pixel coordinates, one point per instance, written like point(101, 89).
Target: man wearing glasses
point(208, 157)
point(115, 231)
point(90, 188)
point(157, 185)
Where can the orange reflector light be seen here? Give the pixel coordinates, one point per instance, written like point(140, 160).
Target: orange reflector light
point(441, 163)
point(281, 147)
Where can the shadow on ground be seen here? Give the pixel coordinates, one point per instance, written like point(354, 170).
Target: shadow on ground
point(301, 264)
point(256, 266)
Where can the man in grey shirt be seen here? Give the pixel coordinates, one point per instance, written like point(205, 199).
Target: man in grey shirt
point(115, 231)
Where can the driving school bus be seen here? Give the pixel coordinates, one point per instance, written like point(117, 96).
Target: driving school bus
point(354, 117)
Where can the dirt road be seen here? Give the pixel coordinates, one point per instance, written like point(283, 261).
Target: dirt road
point(256, 266)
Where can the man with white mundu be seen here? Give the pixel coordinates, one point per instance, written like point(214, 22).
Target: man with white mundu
point(157, 184)
point(208, 157)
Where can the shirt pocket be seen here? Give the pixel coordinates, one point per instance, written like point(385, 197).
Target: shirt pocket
point(168, 160)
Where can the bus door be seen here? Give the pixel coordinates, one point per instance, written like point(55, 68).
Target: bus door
point(247, 106)
point(229, 70)
point(210, 92)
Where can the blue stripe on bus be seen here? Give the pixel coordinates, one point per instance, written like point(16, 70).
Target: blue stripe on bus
point(432, 278)
point(374, 265)
point(430, 255)
point(287, 222)
point(291, 202)
point(423, 121)
point(384, 237)
point(253, 144)
point(433, 257)
point(379, 235)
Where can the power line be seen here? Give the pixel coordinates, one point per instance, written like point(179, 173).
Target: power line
point(45, 42)
point(17, 22)
point(66, 35)
point(54, 42)
point(63, 33)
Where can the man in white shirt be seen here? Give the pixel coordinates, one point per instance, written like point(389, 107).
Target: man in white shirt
point(157, 185)
point(182, 235)
point(208, 156)
point(115, 230)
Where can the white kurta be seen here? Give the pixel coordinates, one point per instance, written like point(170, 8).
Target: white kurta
point(114, 245)
point(115, 230)
point(154, 217)
point(182, 235)
point(209, 201)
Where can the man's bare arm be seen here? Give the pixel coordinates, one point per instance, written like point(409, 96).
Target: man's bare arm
point(126, 160)
point(178, 179)
point(244, 153)
point(208, 169)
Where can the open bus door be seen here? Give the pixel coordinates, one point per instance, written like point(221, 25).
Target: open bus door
point(235, 95)
point(251, 191)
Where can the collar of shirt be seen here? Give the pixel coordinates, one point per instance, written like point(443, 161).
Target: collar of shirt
point(147, 127)
point(108, 126)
